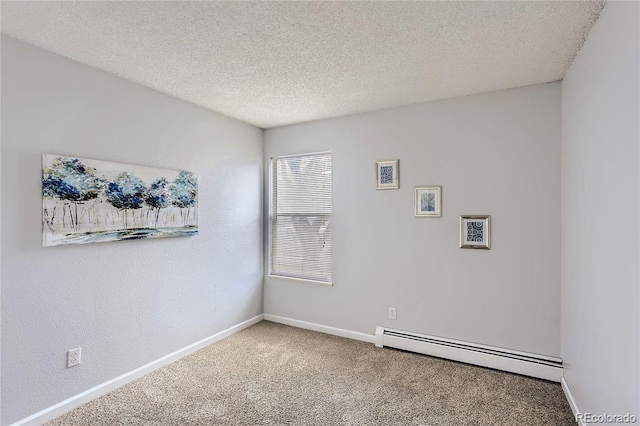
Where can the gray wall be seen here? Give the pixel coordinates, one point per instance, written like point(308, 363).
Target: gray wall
point(600, 212)
point(497, 154)
point(125, 303)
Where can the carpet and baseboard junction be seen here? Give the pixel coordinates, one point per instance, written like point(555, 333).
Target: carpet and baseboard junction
point(274, 374)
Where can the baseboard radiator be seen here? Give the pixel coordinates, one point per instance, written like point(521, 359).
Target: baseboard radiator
point(528, 364)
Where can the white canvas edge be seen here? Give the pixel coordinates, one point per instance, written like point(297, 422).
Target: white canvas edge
point(106, 162)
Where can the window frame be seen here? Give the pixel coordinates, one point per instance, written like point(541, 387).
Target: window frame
point(271, 274)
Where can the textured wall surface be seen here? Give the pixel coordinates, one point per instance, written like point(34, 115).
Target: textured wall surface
point(131, 302)
point(600, 212)
point(496, 154)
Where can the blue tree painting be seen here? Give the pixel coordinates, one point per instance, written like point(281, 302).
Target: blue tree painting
point(70, 181)
point(126, 193)
point(87, 201)
point(183, 194)
point(158, 197)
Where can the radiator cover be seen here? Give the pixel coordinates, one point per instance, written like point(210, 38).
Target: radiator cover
point(528, 364)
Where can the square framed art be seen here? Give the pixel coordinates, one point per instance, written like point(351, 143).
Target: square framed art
point(475, 232)
point(428, 201)
point(387, 174)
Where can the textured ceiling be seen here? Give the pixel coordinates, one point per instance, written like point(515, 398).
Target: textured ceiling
point(276, 63)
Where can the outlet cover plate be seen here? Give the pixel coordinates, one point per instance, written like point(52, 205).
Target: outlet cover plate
point(73, 357)
point(392, 313)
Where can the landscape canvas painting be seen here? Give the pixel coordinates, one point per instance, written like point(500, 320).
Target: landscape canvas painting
point(88, 201)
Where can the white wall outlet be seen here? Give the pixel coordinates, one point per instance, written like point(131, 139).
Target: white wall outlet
point(73, 357)
point(392, 313)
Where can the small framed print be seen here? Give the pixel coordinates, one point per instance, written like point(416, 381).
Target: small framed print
point(428, 201)
point(387, 174)
point(475, 232)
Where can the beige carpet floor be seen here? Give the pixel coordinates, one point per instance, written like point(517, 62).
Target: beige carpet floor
point(271, 374)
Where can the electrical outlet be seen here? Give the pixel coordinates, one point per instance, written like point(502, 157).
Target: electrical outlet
point(73, 357)
point(392, 313)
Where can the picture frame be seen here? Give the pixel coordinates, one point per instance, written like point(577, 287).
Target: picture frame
point(91, 201)
point(387, 174)
point(428, 201)
point(475, 232)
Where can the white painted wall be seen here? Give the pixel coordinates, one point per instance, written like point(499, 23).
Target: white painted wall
point(125, 303)
point(497, 154)
point(600, 212)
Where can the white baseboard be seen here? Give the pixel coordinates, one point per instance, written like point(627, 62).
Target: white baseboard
point(572, 402)
point(355, 335)
point(82, 398)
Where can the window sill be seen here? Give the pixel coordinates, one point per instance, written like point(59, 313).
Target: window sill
point(303, 280)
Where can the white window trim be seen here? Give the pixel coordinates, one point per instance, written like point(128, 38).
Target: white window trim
point(303, 280)
point(270, 273)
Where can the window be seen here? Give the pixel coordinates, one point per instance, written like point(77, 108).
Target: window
point(300, 217)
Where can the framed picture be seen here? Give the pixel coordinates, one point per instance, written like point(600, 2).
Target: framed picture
point(387, 174)
point(91, 201)
point(475, 232)
point(428, 201)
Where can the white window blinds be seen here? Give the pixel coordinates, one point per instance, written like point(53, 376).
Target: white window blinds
point(301, 216)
